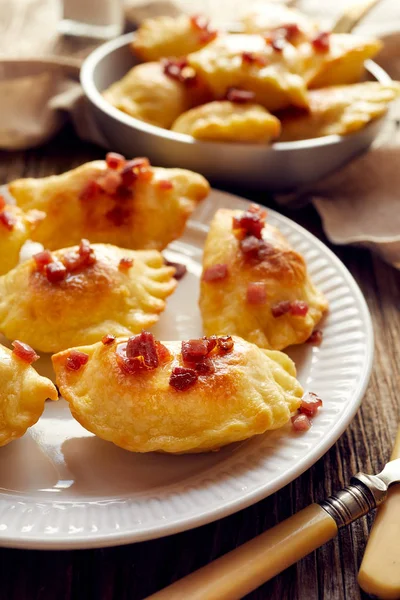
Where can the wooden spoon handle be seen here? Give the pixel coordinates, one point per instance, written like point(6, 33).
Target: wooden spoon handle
point(242, 570)
point(380, 569)
point(353, 15)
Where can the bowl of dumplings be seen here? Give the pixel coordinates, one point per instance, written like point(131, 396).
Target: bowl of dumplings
point(83, 279)
point(277, 106)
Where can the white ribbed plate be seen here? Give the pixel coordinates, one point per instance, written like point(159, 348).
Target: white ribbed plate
point(61, 487)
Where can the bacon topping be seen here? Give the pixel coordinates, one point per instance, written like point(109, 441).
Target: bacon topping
point(24, 352)
point(125, 264)
point(225, 343)
point(194, 350)
point(8, 220)
point(180, 269)
point(211, 342)
point(205, 367)
point(110, 182)
point(182, 378)
point(115, 160)
point(280, 309)
point(118, 215)
point(202, 25)
point(301, 422)
point(55, 272)
point(216, 272)
point(249, 223)
point(108, 339)
point(316, 337)
point(321, 42)
point(42, 259)
point(251, 58)
point(310, 404)
point(164, 184)
point(298, 308)
point(256, 293)
point(142, 347)
point(179, 69)
point(76, 360)
point(84, 257)
point(239, 96)
point(90, 190)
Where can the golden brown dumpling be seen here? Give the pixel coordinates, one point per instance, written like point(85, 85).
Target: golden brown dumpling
point(93, 295)
point(171, 37)
point(247, 62)
point(22, 395)
point(16, 227)
point(338, 110)
point(341, 63)
point(148, 211)
point(231, 395)
point(270, 16)
point(229, 122)
point(150, 95)
point(256, 286)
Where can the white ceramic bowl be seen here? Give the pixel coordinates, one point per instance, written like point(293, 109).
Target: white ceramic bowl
point(281, 166)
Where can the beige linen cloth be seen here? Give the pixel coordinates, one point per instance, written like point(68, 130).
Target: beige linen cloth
point(359, 204)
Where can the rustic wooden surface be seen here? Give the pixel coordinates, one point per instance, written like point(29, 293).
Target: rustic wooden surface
point(135, 571)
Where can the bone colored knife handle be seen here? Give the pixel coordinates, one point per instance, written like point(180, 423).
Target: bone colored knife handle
point(380, 569)
point(237, 573)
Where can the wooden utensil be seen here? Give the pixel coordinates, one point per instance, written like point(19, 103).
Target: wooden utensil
point(234, 575)
point(380, 569)
point(353, 15)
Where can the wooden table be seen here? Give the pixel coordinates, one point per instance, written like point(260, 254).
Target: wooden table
point(135, 571)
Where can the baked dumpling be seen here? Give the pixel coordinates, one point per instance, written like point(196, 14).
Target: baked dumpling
point(148, 93)
point(16, 227)
point(229, 122)
point(338, 110)
point(165, 37)
point(254, 284)
point(247, 62)
point(22, 392)
point(77, 295)
point(336, 59)
point(126, 203)
point(272, 16)
point(177, 397)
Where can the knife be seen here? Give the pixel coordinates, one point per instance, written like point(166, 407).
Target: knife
point(242, 570)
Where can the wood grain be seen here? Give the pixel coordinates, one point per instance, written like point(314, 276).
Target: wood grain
point(135, 571)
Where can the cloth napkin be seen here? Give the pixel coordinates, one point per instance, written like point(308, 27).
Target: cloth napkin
point(359, 204)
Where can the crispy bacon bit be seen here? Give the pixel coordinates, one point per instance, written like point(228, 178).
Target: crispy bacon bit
point(281, 308)
point(42, 259)
point(84, 257)
point(256, 293)
point(90, 190)
point(310, 404)
point(76, 360)
point(239, 96)
point(86, 252)
point(225, 343)
point(182, 378)
point(164, 184)
point(179, 69)
point(250, 246)
point(298, 308)
point(108, 339)
point(321, 42)
point(2, 202)
point(215, 273)
point(115, 160)
point(211, 342)
point(55, 272)
point(250, 58)
point(129, 174)
point(163, 353)
point(125, 264)
point(289, 31)
point(194, 350)
point(110, 182)
point(180, 269)
point(202, 25)
point(301, 422)
point(24, 352)
point(8, 220)
point(143, 347)
point(205, 367)
point(251, 222)
point(315, 338)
